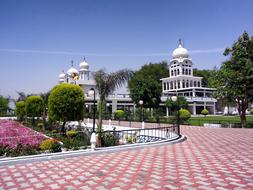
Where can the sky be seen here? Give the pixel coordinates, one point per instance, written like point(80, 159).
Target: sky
point(39, 38)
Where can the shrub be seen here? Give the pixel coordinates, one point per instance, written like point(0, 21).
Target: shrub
point(50, 145)
point(251, 111)
point(54, 131)
point(204, 112)
point(184, 115)
point(109, 139)
point(71, 133)
point(40, 125)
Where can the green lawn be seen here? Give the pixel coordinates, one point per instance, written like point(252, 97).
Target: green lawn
point(200, 120)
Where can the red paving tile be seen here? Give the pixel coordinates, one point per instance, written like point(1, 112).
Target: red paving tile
point(208, 159)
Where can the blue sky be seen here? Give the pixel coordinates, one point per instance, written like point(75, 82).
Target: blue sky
point(38, 39)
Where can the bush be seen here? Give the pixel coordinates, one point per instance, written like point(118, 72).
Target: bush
point(20, 110)
point(119, 114)
point(40, 125)
point(71, 133)
point(184, 115)
point(204, 112)
point(50, 145)
point(109, 139)
point(251, 111)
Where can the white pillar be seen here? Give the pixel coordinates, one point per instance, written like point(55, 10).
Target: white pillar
point(167, 112)
point(143, 125)
point(194, 108)
point(93, 141)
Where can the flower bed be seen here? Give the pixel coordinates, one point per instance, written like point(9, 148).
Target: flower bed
point(16, 139)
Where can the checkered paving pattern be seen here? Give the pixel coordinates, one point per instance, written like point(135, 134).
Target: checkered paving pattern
point(209, 159)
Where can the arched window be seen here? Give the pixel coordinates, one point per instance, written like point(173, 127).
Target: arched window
point(191, 83)
point(183, 71)
point(187, 84)
point(164, 86)
point(171, 85)
point(172, 73)
point(175, 72)
point(178, 71)
point(168, 86)
point(183, 83)
point(190, 71)
point(175, 84)
point(198, 84)
point(178, 84)
point(186, 71)
point(195, 83)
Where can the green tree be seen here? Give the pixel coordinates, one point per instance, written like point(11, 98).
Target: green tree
point(4, 105)
point(235, 77)
point(207, 80)
point(145, 84)
point(20, 110)
point(34, 107)
point(66, 103)
point(44, 96)
point(108, 83)
point(174, 106)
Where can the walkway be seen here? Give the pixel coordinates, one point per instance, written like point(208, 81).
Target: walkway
point(208, 159)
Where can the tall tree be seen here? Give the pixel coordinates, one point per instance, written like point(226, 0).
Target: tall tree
point(44, 97)
point(106, 83)
point(66, 103)
point(4, 105)
point(34, 107)
point(146, 85)
point(235, 78)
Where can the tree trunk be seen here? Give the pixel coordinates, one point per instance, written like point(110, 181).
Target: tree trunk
point(63, 131)
point(242, 113)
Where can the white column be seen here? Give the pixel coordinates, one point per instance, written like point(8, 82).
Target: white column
point(193, 93)
point(194, 108)
point(167, 112)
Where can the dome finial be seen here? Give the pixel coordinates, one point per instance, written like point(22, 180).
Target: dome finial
point(84, 58)
point(72, 63)
point(180, 42)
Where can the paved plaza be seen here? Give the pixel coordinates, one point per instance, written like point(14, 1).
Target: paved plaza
point(210, 158)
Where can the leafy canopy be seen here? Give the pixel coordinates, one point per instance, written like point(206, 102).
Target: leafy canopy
point(4, 105)
point(34, 106)
point(20, 110)
point(66, 103)
point(146, 85)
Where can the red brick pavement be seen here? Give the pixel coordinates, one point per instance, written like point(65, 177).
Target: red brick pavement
point(208, 159)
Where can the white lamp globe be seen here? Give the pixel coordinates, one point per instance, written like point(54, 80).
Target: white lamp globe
point(141, 102)
point(174, 98)
point(91, 92)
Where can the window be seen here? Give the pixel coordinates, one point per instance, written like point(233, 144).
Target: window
point(183, 71)
point(175, 72)
point(178, 71)
point(187, 84)
point(191, 83)
point(164, 86)
point(186, 71)
point(183, 84)
point(175, 84)
point(186, 61)
point(195, 83)
point(178, 84)
point(198, 84)
point(172, 73)
point(171, 85)
point(167, 85)
point(190, 71)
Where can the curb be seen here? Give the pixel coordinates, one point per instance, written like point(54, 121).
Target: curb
point(88, 152)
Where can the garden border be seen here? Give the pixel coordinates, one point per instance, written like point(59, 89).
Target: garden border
point(87, 152)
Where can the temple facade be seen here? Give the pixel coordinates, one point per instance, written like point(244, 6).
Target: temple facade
point(181, 82)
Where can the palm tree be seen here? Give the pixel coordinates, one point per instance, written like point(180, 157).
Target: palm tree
point(108, 83)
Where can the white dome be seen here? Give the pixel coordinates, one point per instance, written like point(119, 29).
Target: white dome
point(84, 65)
point(61, 76)
point(180, 52)
point(72, 71)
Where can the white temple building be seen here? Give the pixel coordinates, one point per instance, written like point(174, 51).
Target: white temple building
point(181, 82)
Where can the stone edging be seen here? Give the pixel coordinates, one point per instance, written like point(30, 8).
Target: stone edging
point(87, 152)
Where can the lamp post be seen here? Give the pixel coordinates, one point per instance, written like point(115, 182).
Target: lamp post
point(175, 99)
point(93, 135)
point(141, 104)
point(109, 114)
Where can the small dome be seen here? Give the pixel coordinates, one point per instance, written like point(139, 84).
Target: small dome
point(84, 65)
point(72, 70)
point(180, 52)
point(61, 76)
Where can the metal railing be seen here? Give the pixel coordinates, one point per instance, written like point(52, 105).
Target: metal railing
point(131, 136)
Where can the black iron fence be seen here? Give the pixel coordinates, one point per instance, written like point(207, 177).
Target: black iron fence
point(122, 137)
